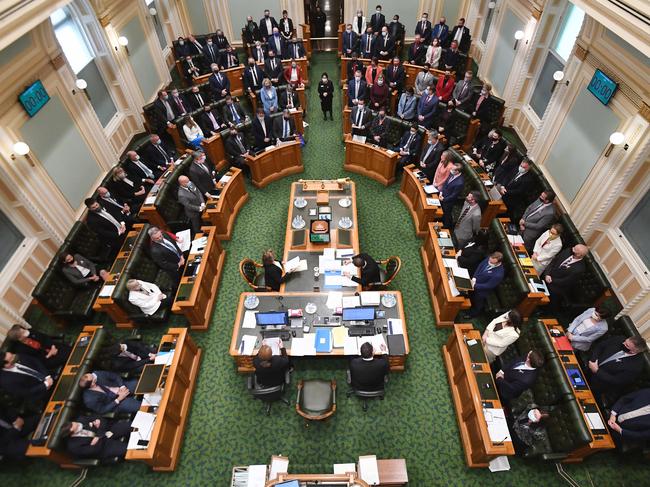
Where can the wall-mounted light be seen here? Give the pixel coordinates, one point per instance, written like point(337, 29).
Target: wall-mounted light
point(22, 149)
point(617, 138)
point(491, 5)
point(557, 77)
point(152, 11)
point(124, 42)
point(519, 35)
point(82, 84)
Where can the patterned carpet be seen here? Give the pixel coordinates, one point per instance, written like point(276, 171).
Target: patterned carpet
point(416, 421)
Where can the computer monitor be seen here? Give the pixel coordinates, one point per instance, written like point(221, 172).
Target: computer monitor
point(358, 314)
point(271, 318)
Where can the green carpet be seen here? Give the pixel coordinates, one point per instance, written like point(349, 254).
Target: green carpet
point(416, 421)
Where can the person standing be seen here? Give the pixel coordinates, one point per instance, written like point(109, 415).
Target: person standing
point(500, 333)
point(325, 93)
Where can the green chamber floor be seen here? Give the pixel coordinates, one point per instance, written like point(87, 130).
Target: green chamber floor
point(416, 421)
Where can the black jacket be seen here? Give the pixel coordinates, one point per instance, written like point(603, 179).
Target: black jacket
point(163, 257)
point(273, 375)
point(258, 133)
point(23, 385)
point(514, 381)
point(368, 375)
point(369, 271)
point(564, 278)
point(273, 276)
point(203, 180)
point(615, 374)
point(103, 228)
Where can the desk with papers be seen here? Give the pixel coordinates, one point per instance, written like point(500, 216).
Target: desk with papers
point(420, 199)
point(160, 422)
point(481, 420)
point(370, 160)
point(274, 163)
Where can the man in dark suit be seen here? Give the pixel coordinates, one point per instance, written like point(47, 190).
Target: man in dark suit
point(196, 99)
point(284, 127)
point(277, 43)
point(409, 146)
point(80, 271)
point(96, 437)
point(385, 45)
point(417, 51)
point(537, 218)
point(193, 67)
point(251, 31)
point(126, 356)
point(259, 52)
point(203, 174)
point(506, 166)
point(220, 40)
point(427, 107)
point(368, 373)
point(105, 392)
point(195, 44)
point(262, 128)
point(450, 57)
point(354, 65)
point(24, 377)
point(395, 76)
point(128, 187)
point(182, 48)
point(350, 41)
point(461, 35)
point(252, 76)
point(488, 275)
point(210, 122)
point(370, 272)
point(118, 209)
point(192, 201)
point(450, 192)
point(105, 225)
point(237, 149)
point(273, 69)
point(423, 28)
point(462, 94)
point(615, 363)
point(517, 376)
point(50, 351)
point(379, 127)
point(357, 89)
point(440, 31)
point(162, 114)
point(157, 155)
point(430, 156)
point(367, 44)
point(138, 169)
point(398, 33)
point(286, 25)
point(15, 433)
point(378, 20)
point(295, 49)
point(563, 272)
point(360, 118)
point(489, 150)
point(516, 192)
point(219, 83)
point(233, 113)
point(211, 52)
point(268, 25)
point(270, 369)
point(630, 418)
point(288, 98)
point(229, 58)
point(178, 103)
point(166, 253)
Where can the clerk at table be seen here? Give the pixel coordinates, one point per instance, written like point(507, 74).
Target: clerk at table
point(369, 269)
point(269, 368)
point(274, 273)
point(367, 373)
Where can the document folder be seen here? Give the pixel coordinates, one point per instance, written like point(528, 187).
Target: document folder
point(323, 340)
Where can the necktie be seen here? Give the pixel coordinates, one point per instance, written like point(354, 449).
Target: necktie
point(479, 101)
point(147, 172)
point(537, 210)
point(254, 76)
point(428, 153)
point(359, 117)
point(423, 26)
point(241, 146)
point(368, 43)
point(289, 101)
point(211, 52)
point(180, 105)
point(273, 63)
point(277, 44)
point(464, 89)
point(234, 114)
point(170, 112)
point(260, 54)
point(29, 371)
point(202, 166)
point(463, 214)
point(162, 151)
point(286, 129)
point(409, 142)
point(170, 246)
point(568, 261)
point(356, 89)
point(263, 124)
point(105, 214)
point(215, 125)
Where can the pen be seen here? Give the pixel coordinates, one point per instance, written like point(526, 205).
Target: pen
point(241, 347)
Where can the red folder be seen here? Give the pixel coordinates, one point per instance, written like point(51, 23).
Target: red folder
point(563, 343)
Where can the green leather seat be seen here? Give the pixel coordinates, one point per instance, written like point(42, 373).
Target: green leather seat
point(472, 182)
point(166, 202)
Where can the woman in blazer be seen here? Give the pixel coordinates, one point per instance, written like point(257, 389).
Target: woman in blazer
point(269, 97)
point(359, 23)
point(501, 333)
point(373, 68)
point(274, 273)
point(193, 132)
point(587, 327)
point(547, 247)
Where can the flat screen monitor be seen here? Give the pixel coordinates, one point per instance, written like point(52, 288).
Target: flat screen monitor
point(358, 314)
point(577, 380)
point(271, 318)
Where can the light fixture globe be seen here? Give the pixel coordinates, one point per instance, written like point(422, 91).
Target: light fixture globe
point(558, 75)
point(21, 148)
point(519, 35)
point(122, 41)
point(152, 11)
point(81, 84)
point(617, 138)
point(491, 5)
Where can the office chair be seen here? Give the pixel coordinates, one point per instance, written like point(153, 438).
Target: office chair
point(391, 267)
point(268, 395)
point(316, 400)
point(248, 269)
point(365, 395)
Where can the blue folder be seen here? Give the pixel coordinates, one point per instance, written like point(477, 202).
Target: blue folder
point(323, 340)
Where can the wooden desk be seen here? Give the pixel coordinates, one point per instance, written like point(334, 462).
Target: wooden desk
point(164, 448)
point(306, 38)
point(470, 399)
point(222, 212)
point(445, 305)
point(276, 163)
point(417, 201)
point(370, 160)
point(196, 294)
point(215, 150)
point(600, 441)
point(343, 479)
point(71, 368)
point(234, 76)
point(533, 299)
point(294, 300)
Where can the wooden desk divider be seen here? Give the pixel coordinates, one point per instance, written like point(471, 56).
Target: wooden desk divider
point(424, 208)
point(306, 39)
point(370, 160)
point(275, 163)
point(148, 211)
point(445, 305)
point(470, 399)
point(216, 151)
point(222, 212)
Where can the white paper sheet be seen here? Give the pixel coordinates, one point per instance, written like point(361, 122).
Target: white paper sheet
point(433, 202)
point(224, 179)
point(515, 239)
point(107, 290)
point(334, 300)
point(247, 345)
point(344, 253)
point(390, 152)
point(278, 465)
point(342, 468)
point(368, 470)
point(370, 298)
point(256, 476)
point(378, 344)
point(149, 200)
point(143, 424)
point(497, 425)
point(499, 464)
point(451, 263)
point(339, 281)
point(430, 189)
point(185, 240)
point(310, 343)
point(152, 399)
point(595, 421)
point(351, 301)
point(165, 358)
point(292, 264)
point(460, 272)
point(274, 343)
point(351, 346)
point(249, 319)
point(198, 245)
point(329, 253)
point(328, 264)
point(395, 326)
point(297, 347)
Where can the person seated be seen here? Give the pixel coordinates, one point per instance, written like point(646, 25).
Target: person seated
point(588, 327)
point(537, 218)
point(368, 373)
point(379, 94)
point(289, 99)
point(615, 363)
point(262, 129)
point(105, 392)
point(15, 433)
point(166, 253)
point(473, 253)
point(252, 77)
point(293, 75)
point(407, 106)
point(360, 118)
point(193, 133)
point(528, 428)
point(192, 201)
point(81, 271)
point(25, 377)
point(562, 274)
point(469, 219)
point(395, 76)
point(274, 273)
point(500, 333)
point(96, 437)
point(430, 155)
point(487, 277)
point(409, 146)
point(129, 188)
point(516, 191)
point(423, 80)
point(52, 352)
point(546, 247)
point(146, 295)
point(417, 51)
point(629, 419)
point(105, 225)
point(489, 150)
point(219, 83)
point(182, 48)
point(434, 52)
point(157, 155)
point(451, 190)
point(450, 57)
point(269, 97)
point(445, 87)
point(237, 149)
point(270, 369)
point(379, 127)
point(196, 45)
point(233, 113)
point(517, 376)
point(209, 121)
point(284, 127)
point(203, 174)
point(427, 107)
point(126, 356)
point(370, 272)
point(196, 99)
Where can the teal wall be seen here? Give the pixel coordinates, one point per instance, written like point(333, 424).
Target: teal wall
point(240, 9)
point(450, 9)
point(198, 17)
point(10, 52)
point(100, 99)
point(140, 59)
point(406, 9)
point(504, 54)
point(580, 142)
point(57, 143)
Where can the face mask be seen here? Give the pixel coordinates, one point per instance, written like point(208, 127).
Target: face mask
point(483, 92)
point(166, 97)
point(276, 34)
point(395, 20)
point(175, 95)
point(382, 115)
point(251, 64)
point(453, 172)
point(531, 416)
point(521, 170)
point(348, 30)
point(121, 176)
point(380, 83)
point(357, 78)
point(293, 66)
point(595, 316)
point(384, 34)
point(358, 15)
point(378, 10)
point(157, 142)
point(424, 19)
point(196, 92)
point(181, 43)
point(413, 133)
point(137, 158)
point(209, 43)
point(190, 186)
point(266, 16)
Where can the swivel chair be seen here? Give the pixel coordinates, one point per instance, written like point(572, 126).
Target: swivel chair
point(268, 395)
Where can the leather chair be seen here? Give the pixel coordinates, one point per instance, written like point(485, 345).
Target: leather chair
point(316, 399)
point(365, 395)
point(166, 202)
point(248, 269)
point(268, 395)
point(472, 182)
point(82, 240)
point(388, 270)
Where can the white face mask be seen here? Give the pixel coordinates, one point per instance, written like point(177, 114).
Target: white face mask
point(521, 170)
point(532, 417)
point(380, 83)
point(181, 43)
point(137, 158)
point(595, 316)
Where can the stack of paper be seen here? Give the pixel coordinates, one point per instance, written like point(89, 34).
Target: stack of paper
point(278, 465)
point(310, 344)
point(430, 189)
point(142, 425)
point(515, 239)
point(297, 347)
point(497, 425)
point(351, 346)
point(334, 300)
point(433, 201)
point(249, 319)
point(395, 326)
point(499, 464)
point(274, 343)
point(341, 468)
point(165, 358)
point(378, 343)
point(107, 291)
point(351, 301)
point(368, 470)
point(344, 253)
point(247, 345)
point(339, 281)
point(325, 264)
point(339, 334)
point(256, 476)
point(184, 240)
point(150, 200)
point(224, 179)
point(198, 245)
point(152, 399)
point(370, 298)
point(295, 265)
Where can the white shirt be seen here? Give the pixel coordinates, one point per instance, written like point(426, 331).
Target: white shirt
point(192, 132)
point(148, 300)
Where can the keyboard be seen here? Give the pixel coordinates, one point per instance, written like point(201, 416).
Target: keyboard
point(283, 334)
point(361, 331)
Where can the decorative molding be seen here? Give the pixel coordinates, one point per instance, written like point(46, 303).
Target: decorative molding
point(536, 13)
point(644, 111)
point(58, 61)
point(104, 20)
point(581, 52)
